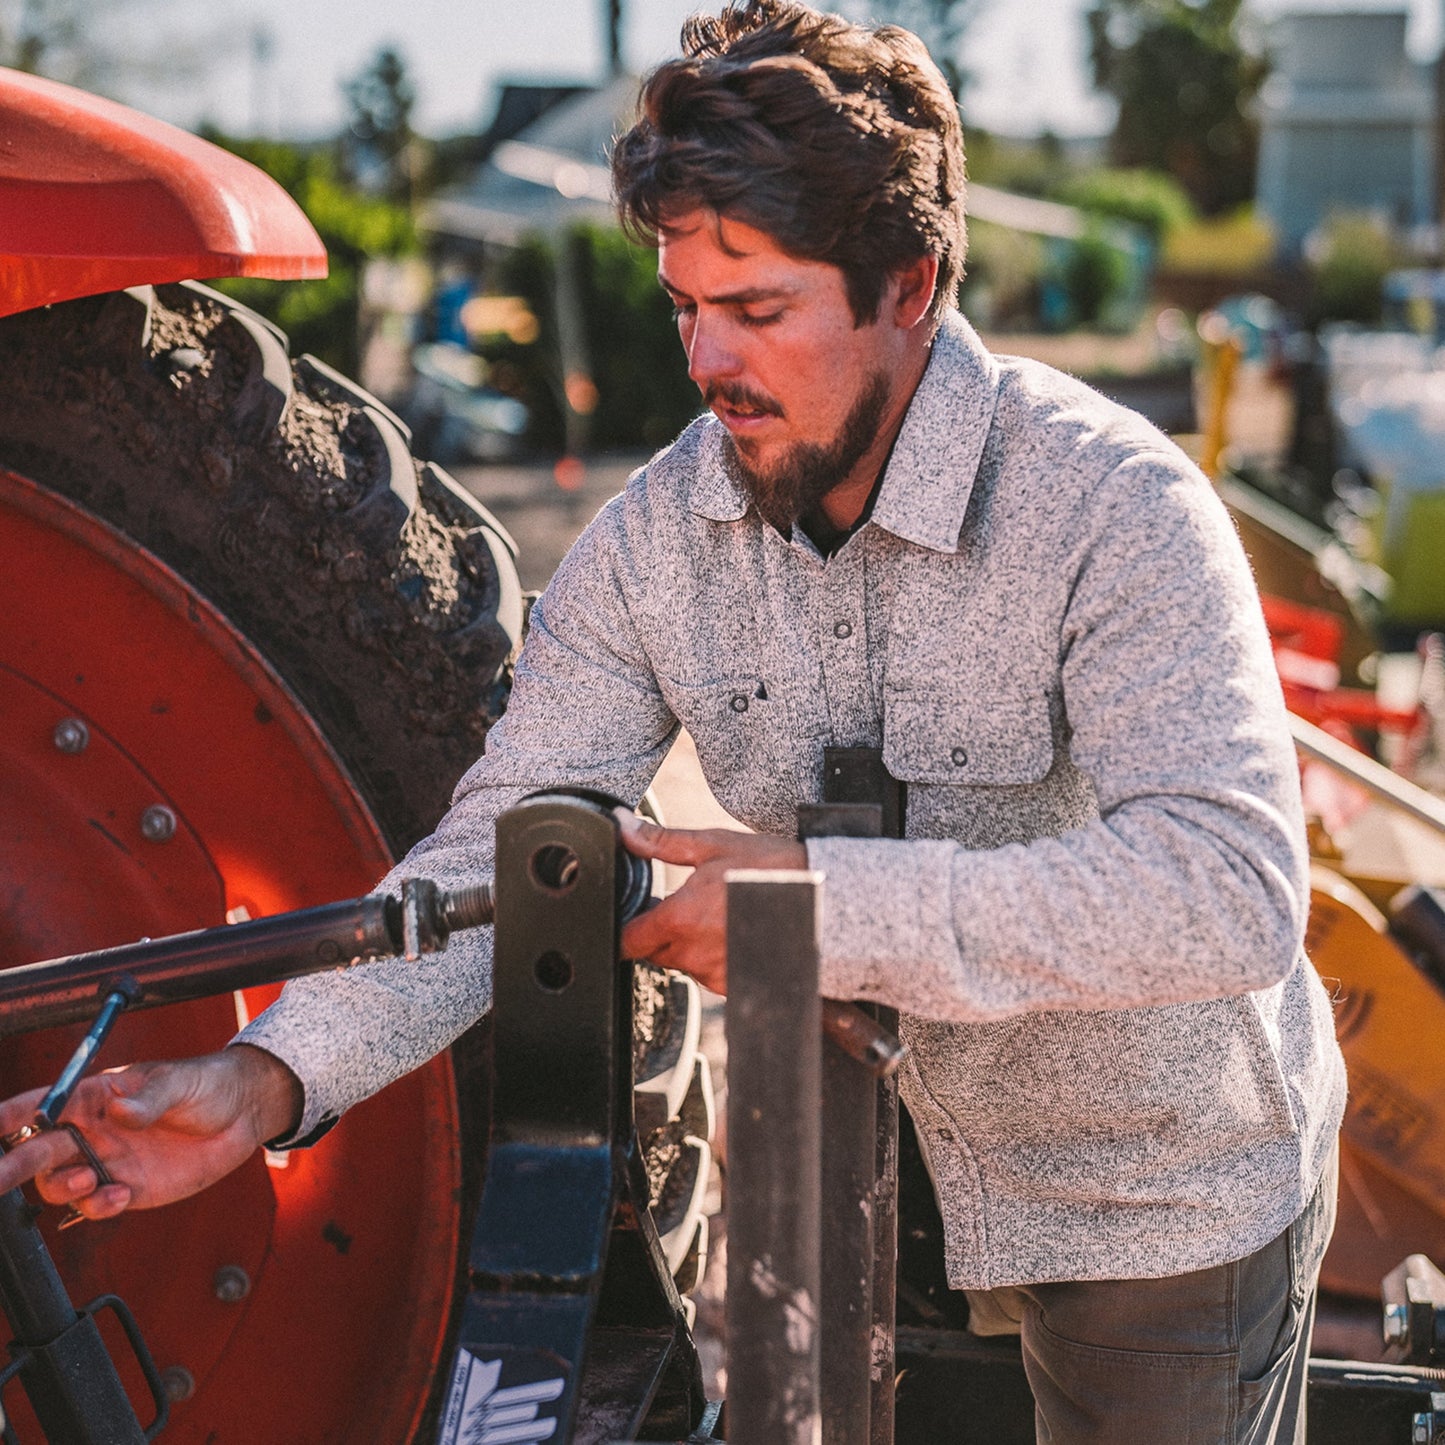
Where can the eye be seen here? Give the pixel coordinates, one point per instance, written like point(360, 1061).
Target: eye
point(681, 309)
point(767, 318)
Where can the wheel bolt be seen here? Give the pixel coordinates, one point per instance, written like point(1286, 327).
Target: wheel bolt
point(71, 735)
point(232, 1284)
point(178, 1383)
point(157, 823)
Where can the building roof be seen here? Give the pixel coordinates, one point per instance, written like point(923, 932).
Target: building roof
point(552, 174)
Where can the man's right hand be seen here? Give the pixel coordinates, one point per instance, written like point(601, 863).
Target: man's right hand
point(164, 1130)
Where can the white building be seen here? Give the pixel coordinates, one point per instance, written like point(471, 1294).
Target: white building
point(1348, 123)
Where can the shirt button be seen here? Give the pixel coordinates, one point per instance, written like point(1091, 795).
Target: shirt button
point(959, 756)
point(739, 702)
point(842, 629)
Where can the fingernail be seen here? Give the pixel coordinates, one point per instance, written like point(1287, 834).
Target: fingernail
point(627, 819)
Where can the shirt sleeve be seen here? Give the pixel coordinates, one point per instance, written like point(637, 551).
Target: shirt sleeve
point(585, 711)
point(1192, 883)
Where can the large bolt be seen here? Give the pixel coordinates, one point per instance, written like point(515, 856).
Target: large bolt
point(178, 1383)
point(157, 823)
point(71, 735)
point(1396, 1324)
point(232, 1284)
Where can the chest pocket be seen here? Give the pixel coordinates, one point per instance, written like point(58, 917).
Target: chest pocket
point(734, 724)
point(980, 768)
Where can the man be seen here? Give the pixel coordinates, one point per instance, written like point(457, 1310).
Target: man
point(1124, 1074)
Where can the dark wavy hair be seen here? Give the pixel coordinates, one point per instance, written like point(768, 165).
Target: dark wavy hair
point(840, 141)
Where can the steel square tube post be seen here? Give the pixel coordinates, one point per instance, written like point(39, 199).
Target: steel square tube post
point(848, 1169)
point(774, 1071)
point(860, 1159)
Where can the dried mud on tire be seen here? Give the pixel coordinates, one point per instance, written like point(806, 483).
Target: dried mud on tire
point(383, 594)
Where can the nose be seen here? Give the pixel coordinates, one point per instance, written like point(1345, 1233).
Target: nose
point(710, 354)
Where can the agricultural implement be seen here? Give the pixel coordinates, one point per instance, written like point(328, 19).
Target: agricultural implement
point(247, 644)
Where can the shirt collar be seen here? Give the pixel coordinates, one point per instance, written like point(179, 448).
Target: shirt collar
point(714, 494)
point(931, 472)
point(935, 460)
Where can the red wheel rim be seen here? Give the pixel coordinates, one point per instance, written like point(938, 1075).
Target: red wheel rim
point(305, 1298)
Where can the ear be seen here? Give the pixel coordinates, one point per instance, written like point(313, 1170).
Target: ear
point(915, 284)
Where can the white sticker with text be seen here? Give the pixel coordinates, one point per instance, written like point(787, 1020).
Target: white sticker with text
point(478, 1413)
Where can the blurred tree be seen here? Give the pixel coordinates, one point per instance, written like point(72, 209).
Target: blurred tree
point(643, 396)
point(1149, 199)
point(1185, 75)
point(379, 147)
point(940, 24)
point(321, 316)
point(1094, 273)
point(1032, 167)
point(39, 35)
point(1348, 263)
point(612, 29)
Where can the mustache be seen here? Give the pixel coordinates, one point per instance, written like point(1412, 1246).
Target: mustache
point(740, 396)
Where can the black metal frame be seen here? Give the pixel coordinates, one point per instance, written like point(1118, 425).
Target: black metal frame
point(572, 1311)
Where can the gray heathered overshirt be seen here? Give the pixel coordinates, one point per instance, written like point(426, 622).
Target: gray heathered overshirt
point(1123, 1065)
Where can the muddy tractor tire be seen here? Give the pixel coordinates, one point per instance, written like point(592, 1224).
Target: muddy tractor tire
point(247, 645)
point(288, 497)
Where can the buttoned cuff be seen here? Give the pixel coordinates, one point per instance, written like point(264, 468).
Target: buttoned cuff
point(885, 904)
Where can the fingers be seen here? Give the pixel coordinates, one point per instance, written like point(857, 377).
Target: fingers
point(688, 847)
point(685, 932)
point(103, 1203)
point(77, 1186)
point(19, 1111)
point(39, 1157)
point(650, 934)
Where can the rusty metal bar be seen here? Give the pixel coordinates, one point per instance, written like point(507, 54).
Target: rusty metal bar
point(774, 1069)
point(882, 1370)
point(850, 1127)
point(860, 1154)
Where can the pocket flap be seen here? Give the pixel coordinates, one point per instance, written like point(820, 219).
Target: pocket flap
point(938, 735)
point(727, 702)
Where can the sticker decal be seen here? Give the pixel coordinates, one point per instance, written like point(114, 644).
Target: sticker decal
point(478, 1413)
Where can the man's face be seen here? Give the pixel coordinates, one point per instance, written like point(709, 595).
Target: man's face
point(805, 394)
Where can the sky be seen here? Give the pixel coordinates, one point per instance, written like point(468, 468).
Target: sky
point(277, 66)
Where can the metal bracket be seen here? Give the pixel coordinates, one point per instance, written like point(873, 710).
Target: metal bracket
point(861, 799)
point(572, 1317)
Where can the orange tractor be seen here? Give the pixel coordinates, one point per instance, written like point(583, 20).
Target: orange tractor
point(247, 644)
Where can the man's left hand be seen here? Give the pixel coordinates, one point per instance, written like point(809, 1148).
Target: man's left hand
point(688, 930)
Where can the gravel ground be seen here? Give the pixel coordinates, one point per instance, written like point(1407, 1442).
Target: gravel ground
point(543, 516)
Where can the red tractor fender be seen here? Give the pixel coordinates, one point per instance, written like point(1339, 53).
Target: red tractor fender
point(95, 196)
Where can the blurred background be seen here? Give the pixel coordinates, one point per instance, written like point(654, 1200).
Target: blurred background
point(1135, 165)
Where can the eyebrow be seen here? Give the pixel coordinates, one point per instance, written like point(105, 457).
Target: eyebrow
point(733, 298)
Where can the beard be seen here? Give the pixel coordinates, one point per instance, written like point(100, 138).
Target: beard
point(807, 471)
